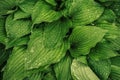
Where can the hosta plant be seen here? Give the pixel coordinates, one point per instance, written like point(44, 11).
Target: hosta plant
point(59, 39)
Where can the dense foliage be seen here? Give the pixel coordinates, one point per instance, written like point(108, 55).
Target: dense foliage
point(59, 39)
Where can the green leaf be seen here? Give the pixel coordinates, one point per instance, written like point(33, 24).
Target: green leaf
point(3, 36)
point(17, 42)
point(27, 6)
point(44, 50)
point(82, 59)
point(20, 15)
point(17, 28)
point(56, 31)
point(81, 71)
point(116, 8)
point(102, 51)
point(107, 4)
point(83, 38)
point(62, 69)
point(108, 15)
point(112, 37)
point(83, 12)
point(35, 76)
point(114, 43)
point(49, 76)
point(115, 68)
point(7, 6)
point(4, 54)
point(102, 68)
point(113, 30)
point(115, 73)
point(115, 61)
point(52, 2)
point(15, 68)
point(45, 14)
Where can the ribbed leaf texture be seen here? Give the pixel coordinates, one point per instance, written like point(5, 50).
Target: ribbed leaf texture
point(59, 39)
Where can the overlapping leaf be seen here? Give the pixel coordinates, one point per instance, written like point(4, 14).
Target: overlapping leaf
point(52, 2)
point(44, 48)
point(83, 38)
point(62, 69)
point(81, 71)
point(20, 15)
point(115, 61)
point(102, 51)
point(43, 12)
point(3, 36)
point(7, 6)
point(107, 16)
point(17, 28)
point(116, 8)
point(115, 68)
point(83, 12)
point(15, 68)
point(102, 68)
point(82, 59)
point(17, 42)
point(115, 44)
point(49, 76)
point(39, 34)
point(4, 54)
point(112, 36)
point(115, 73)
point(27, 6)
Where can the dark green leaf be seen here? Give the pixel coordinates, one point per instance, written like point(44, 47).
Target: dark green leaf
point(49, 76)
point(115, 68)
point(6, 6)
point(107, 16)
point(116, 8)
point(115, 61)
point(102, 68)
point(35, 76)
point(62, 69)
point(114, 43)
point(3, 36)
point(115, 73)
point(102, 51)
